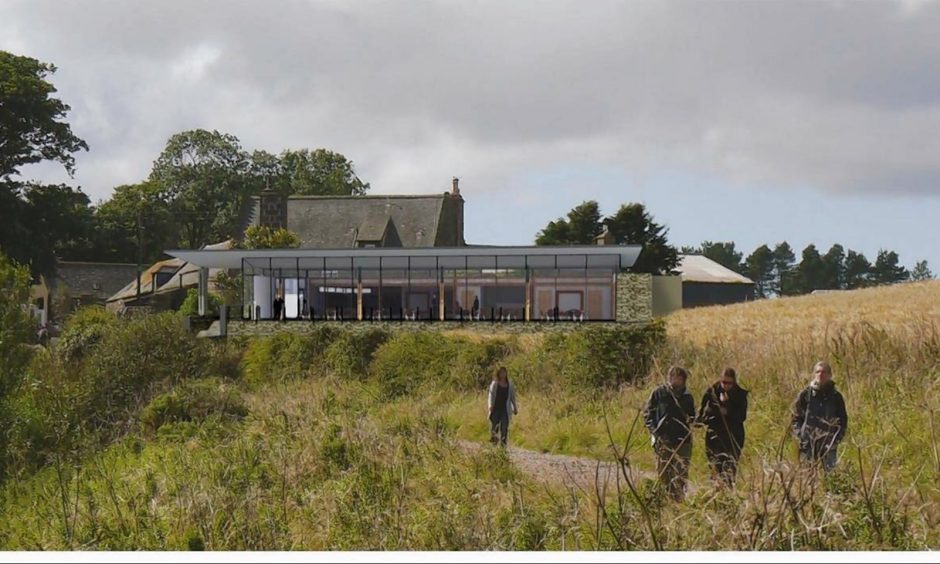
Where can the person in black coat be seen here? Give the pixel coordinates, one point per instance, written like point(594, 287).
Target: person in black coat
point(820, 419)
point(669, 414)
point(723, 412)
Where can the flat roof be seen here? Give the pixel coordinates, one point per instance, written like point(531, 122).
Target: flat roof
point(568, 256)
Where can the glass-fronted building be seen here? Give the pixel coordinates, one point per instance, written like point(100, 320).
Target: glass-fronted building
point(510, 284)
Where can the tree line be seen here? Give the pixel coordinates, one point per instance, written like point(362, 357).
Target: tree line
point(195, 194)
point(775, 271)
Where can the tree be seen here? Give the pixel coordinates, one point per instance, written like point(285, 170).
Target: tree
point(263, 237)
point(784, 259)
point(810, 273)
point(319, 172)
point(45, 222)
point(833, 277)
point(116, 224)
point(633, 225)
point(759, 267)
point(205, 175)
point(32, 126)
point(887, 270)
point(724, 254)
point(16, 327)
point(921, 272)
point(857, 270)
point(581, 228)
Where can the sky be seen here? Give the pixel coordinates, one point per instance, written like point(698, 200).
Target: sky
point(810, 122)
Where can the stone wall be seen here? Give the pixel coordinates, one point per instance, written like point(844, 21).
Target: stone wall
point(240, 328)
point(634, 297)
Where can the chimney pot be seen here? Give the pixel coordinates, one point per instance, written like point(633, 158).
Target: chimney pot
point(456, 188)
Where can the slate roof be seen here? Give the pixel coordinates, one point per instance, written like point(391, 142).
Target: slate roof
point(98, 279)
point(334, 222)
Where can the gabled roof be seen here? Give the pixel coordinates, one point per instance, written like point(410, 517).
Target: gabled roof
point(698, 268)
point(188, 274)
point(184, 275)
point(373, 228)
point(334, 222)
point(129, 290)
point(98, 279)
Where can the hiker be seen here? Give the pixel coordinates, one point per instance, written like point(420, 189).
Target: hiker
point(723, 411)
point(819, 418)
point(501, 406)
point(669, 415)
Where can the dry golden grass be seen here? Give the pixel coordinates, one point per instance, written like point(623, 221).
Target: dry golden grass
point(890, 308)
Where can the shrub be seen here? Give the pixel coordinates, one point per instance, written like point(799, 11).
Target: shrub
point(477, 360)
point(350, 354)
point(602, 356)
point(89, 316)
point(75, 344)
point(225, 360)
point(409, 360)
point(43, 417)
point(133, 360)
point(190, 305)
point(285, 356)
point(193, 401)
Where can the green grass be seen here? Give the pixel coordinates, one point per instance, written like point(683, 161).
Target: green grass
point(331, 443)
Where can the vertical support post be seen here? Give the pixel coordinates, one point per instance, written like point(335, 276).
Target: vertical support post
point(440, 292)
point(380, 289)
point(359, 296)
point(203, 290)
point(528, 291)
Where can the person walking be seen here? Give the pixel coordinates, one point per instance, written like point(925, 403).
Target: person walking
point(723, 412)
point(501, 406)
point(819, 419)
point(669, 414)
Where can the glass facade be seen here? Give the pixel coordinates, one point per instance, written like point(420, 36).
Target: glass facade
point(517, 287)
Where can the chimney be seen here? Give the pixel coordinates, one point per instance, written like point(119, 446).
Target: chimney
point(456, 189)
point(273, 209)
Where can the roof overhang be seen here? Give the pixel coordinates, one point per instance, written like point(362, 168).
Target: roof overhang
point(568, 256)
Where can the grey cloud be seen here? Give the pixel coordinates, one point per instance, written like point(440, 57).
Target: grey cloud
point(838, 96)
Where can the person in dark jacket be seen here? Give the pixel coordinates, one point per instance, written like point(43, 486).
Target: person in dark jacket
point(501, 406)
point(723, 411)
point(819, 419)
point(669, 415)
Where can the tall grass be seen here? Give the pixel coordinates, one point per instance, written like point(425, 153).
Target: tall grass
point(332, 442)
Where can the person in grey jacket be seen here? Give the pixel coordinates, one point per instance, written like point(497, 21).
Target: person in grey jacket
point(820, 419)
point(669, 414)
point(501, 406)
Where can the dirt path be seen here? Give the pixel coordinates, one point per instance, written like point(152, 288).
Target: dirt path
point(584, 473)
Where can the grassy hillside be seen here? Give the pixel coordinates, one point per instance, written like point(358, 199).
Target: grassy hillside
point(340, 442)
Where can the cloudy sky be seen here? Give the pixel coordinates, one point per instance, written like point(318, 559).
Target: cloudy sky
point(754, 122)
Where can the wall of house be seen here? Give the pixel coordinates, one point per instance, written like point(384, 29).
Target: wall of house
point(667, 295)
point(634, 297)
point(695, 294)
